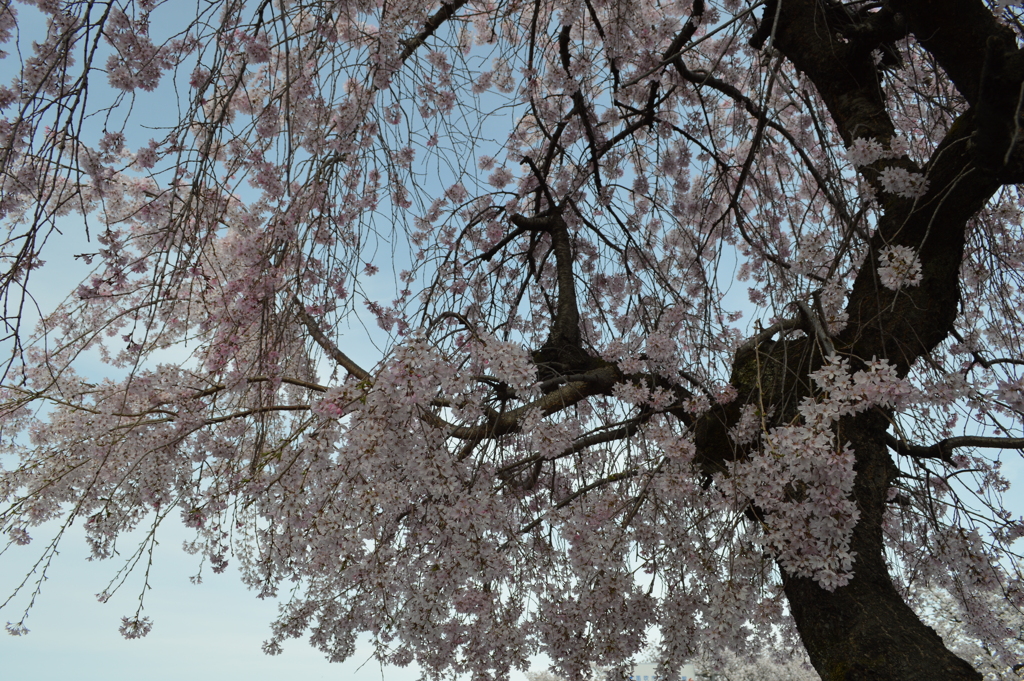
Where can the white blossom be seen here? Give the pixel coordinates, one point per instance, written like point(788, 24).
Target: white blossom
point(899, 266)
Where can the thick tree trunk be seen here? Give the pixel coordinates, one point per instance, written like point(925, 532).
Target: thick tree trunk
point(865, 631)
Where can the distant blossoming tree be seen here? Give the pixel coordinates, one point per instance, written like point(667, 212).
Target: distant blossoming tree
point(728, 667)
point(998, 658)
point(763, 668)
point(595, 675)
point(573, 431)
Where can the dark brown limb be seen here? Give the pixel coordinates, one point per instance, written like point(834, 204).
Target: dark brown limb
point(943, 450)
point(865, 631)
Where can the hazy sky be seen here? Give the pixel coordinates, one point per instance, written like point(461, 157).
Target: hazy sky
point(200, 632)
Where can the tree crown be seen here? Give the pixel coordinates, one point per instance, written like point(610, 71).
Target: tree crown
point(700, 313)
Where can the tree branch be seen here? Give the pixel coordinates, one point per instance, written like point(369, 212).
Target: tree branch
point(598, 381)
point(325, 343)
point(943, 450)
point(447, 11)
point(956, 33)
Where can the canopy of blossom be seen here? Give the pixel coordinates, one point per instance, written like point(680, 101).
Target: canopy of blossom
point(703, 316)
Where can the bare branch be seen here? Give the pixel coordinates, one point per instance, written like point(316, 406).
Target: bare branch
point(325, 343)
point(447, 11)
point(943, 450)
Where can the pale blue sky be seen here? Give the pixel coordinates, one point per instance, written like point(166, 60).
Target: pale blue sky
point(200, 632)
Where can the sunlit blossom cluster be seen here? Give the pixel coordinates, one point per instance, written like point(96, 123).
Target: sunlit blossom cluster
point(899, 266)
point(802, 476)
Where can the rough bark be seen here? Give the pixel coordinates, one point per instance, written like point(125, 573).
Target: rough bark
point(865, 630)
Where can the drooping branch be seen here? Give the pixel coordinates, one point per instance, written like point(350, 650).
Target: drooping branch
point(987, 363)
point(702, 79)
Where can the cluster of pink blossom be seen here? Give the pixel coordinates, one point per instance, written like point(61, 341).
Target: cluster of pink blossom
point(801, 477)
point(899, 266)
point(864, 151)
point(902, 182)
point(893, 179)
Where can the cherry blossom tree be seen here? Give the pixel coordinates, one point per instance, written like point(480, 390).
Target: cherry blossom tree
point(1000, 662)
point(735, 669)
point(774, 666)
point(699, 316)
